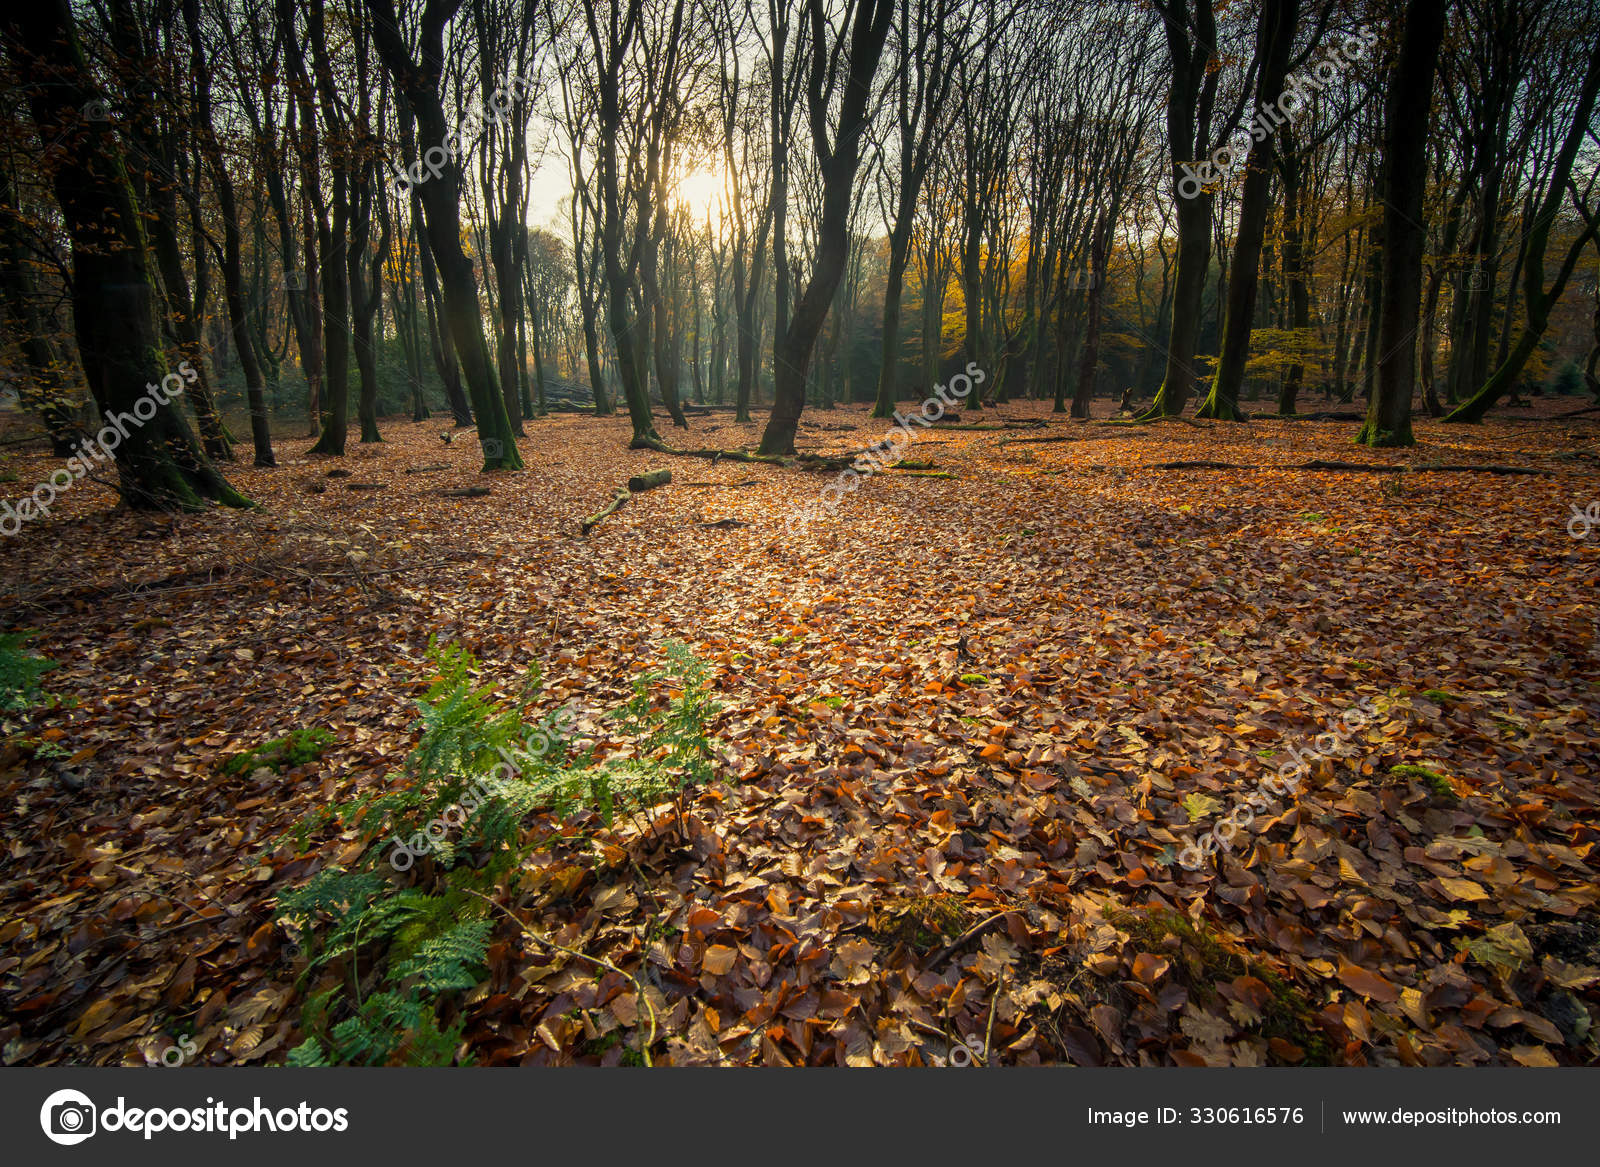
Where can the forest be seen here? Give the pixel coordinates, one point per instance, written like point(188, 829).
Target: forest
point(857, 533)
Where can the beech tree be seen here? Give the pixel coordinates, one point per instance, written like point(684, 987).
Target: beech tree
point(160, 465)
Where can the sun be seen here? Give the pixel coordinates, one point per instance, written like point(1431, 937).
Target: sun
point(699, 191)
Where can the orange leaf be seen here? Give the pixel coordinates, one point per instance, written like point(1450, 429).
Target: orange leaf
point(1368, 984)
point(719, 959)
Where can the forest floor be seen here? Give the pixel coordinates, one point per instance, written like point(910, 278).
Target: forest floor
point(974, 722)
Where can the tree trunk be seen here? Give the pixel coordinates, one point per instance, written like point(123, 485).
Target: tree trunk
point(1539, 301)
point(796, 338)
point(1405, 167)
point(1274, 39)
point(159, 463)
point(442, 211)
point(232, 270)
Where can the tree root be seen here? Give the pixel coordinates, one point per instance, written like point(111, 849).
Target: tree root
point(1199, 425)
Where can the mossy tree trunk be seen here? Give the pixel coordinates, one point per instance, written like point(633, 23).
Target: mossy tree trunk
point(160, 465)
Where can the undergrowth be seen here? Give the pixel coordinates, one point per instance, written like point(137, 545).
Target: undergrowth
point(20, 671)
point(395, 947)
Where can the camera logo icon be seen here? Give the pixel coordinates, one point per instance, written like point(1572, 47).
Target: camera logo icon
point(295, 281)
point(96, 110)
point(492, 447)
point(965, 1053)
point(68, 1117)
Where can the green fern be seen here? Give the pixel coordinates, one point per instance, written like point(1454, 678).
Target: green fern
point(429, 942)
point(20, 671)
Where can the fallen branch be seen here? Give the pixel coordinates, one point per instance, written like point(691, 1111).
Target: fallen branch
point(729, 485)
point(618, 501)
point(977, 929)
point(1064, 438)
point(713, 455)
point(724, 524)
point(465, 492)
point(1479, 469)
point(638, 989)
point(426, 469)
point(365, 485)
point(1357, 467)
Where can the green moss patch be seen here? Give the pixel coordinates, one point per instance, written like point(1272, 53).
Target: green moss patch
point(282, 753)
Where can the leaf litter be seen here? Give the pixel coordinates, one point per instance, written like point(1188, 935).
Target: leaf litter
point(971, 722)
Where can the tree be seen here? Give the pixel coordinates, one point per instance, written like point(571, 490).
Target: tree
point(1274, 39)
point(838, 154)
point(1191, 44)
point(440, 197)
point(160, 465)
point(1538, 299)
point(1405, 172)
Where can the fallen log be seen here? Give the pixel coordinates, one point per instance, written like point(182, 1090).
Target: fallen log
point(724, 524)
point(426, 469)
point(364, 485)
point(465, 492)
point(649, 480)
point(638, 484)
